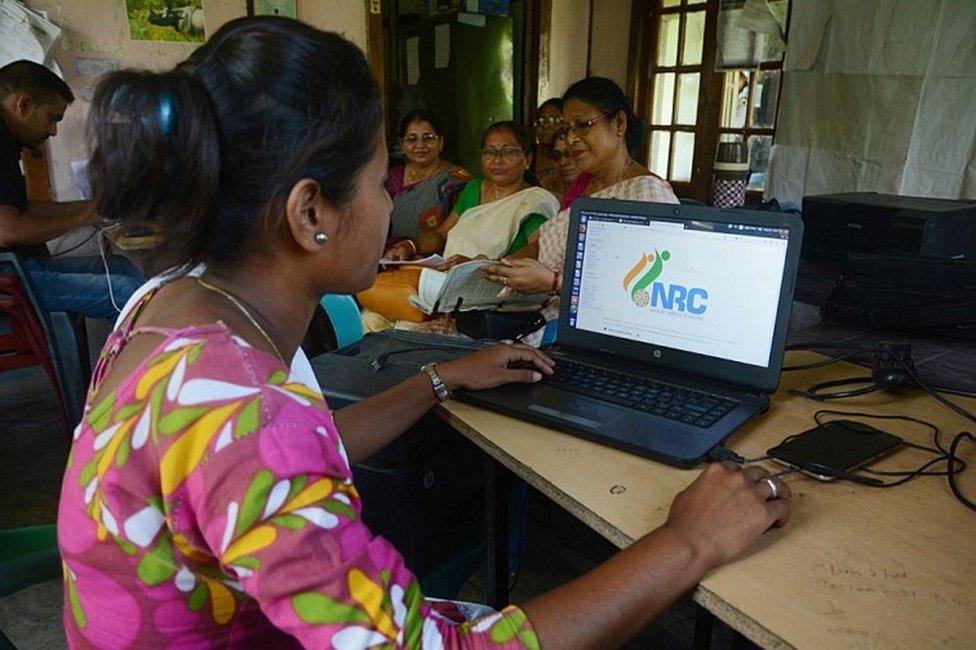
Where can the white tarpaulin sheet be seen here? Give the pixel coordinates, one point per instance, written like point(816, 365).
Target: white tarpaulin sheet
point(878, 95)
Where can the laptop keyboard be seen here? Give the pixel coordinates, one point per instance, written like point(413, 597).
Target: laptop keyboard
point(665, 400)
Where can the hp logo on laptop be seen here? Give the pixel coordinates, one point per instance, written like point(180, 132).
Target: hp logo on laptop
point(657, 354)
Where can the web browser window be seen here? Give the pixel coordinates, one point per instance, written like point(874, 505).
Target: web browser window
point(709, 288)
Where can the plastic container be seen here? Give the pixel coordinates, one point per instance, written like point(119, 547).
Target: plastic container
point(731, 173)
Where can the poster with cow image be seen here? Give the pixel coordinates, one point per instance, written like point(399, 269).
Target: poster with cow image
point(165, 20)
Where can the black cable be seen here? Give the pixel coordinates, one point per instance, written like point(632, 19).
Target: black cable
point(720, 454)
point(827, 345)
point(952, 405)
point(814, 391)
point(954, 391)
point(942, 454)
point(826, 362)
point(952, 468)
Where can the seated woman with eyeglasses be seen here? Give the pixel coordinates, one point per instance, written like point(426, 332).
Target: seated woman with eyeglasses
point(425, 188)
point(547, 123)
point(496, 213)
point(601, 131)
point(568, 171)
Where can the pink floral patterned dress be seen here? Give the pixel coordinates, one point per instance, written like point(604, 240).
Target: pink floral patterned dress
point(208, 502)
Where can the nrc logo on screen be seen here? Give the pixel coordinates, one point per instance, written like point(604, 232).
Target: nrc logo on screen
point(645, 291)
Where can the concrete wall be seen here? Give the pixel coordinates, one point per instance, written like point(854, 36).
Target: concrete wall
point(347, 17)
point(610, 39)
point(568, 37)
point(98, 29)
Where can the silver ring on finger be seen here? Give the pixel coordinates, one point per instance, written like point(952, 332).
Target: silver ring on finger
point(505, 281)
point(773, 489)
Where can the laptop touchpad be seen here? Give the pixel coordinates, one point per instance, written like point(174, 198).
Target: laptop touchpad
point(580, 412)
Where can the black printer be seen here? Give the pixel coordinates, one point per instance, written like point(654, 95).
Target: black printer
point(867, 222)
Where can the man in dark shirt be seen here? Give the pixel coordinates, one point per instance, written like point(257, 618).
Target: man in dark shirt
point(32, 102)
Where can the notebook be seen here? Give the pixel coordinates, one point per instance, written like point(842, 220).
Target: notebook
point(672, 327)
point(465, 288)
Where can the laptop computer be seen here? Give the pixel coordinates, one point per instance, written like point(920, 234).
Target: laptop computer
point(672, 327)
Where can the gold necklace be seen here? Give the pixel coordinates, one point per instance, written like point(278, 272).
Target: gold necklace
point(415, 175)
point(630, 163)
point(247, 314)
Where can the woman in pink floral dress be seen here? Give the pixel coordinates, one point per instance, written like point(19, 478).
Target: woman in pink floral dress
point(208, 500)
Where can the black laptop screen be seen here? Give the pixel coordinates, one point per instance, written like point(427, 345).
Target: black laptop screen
point(706, 287)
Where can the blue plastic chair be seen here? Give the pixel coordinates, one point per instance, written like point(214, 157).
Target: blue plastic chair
point(549, 333)
point(343, 312)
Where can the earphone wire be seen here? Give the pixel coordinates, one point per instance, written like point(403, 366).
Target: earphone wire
point(108, 274)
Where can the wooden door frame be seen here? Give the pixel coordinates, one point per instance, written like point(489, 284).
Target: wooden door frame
point(643, 46)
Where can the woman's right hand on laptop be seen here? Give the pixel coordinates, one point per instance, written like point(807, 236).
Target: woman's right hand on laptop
point(727, 508)
point(495, 366)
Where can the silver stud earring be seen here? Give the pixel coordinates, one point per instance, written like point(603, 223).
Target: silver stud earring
point(321, 238)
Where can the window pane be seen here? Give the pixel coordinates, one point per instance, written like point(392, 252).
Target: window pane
point(759, 146)
point(660, 145)
point(684, 154)
point(687, 99)
point(663, 98)
point(667, 40)
point(694, 37)
point(764, 98)
point(735, 94)
point(670, 3)
point(696, 2)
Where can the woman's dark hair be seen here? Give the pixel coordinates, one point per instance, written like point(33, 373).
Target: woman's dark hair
point(516, 129)
point(555, 102)
point(210, 150)
point(606, 95)
point(420, 115)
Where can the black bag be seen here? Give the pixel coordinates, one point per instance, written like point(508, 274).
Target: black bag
point(498, 325)
point(904, 292)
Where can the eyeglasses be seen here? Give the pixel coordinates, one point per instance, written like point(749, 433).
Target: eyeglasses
point(506, 153)
point(582, 127)
point(414, 138)
point(548, 121)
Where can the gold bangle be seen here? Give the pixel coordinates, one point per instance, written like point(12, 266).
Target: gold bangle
point(412, 245)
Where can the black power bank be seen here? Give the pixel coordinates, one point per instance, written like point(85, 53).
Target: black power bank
point(834, 448)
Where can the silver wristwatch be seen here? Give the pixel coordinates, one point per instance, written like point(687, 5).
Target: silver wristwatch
point(440, 390)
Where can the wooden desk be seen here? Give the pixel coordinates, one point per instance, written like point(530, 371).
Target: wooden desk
point(126, 243)
point(857, 567)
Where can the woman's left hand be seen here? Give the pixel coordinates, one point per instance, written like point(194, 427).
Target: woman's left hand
point(524, 275)
point(495, 366)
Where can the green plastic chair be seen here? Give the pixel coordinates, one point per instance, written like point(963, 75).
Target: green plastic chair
point(28, 556)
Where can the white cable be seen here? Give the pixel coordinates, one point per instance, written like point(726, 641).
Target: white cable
point(108, 274)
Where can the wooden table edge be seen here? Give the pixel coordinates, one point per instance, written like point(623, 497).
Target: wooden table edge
point(731, 616)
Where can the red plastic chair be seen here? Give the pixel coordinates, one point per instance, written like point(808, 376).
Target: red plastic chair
point(24, 346)
point(54, 340)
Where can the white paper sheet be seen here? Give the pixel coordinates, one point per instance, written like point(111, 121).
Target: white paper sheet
point(413, 60)
point(26, 34)
point(465, 286)
point(475, 20)
point(429, 261)
point(442, 45)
